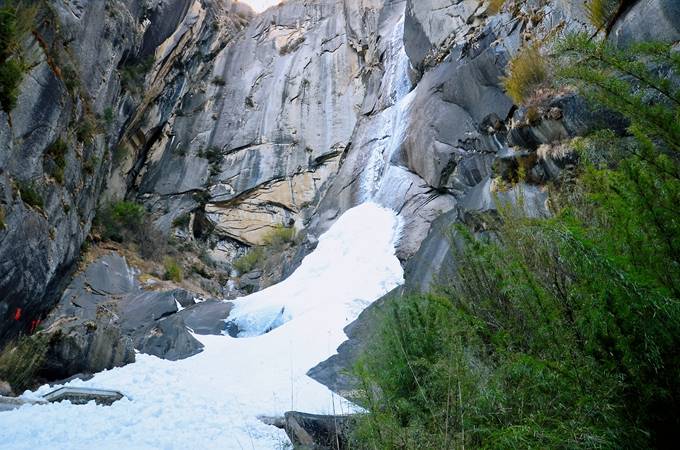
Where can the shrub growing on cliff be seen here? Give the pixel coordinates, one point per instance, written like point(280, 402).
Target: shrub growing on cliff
point(30, 195)
point(120, 221)
point(16, 20)
point(560, 332)
point(275, 241)
point(173, 271)
point(57, 153)
point(602, 12)
point(527, 72)
point(20, 361)
point(250, 261)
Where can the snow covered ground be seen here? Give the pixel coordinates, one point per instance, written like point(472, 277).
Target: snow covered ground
point(213, 399)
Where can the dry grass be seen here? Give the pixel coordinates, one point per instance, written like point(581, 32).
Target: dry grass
point(601, 12)
point(527, 73)
point(20, 361)
point(495, 6)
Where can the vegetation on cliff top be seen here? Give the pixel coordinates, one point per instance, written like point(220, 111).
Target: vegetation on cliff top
point(16, 21)
point(559, 332)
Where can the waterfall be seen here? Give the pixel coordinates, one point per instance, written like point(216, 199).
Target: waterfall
point(393, 121)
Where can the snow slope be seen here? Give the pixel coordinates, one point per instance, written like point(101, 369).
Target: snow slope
point(213, 399)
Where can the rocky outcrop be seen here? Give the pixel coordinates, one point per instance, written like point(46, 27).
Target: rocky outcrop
point(105, 315)
point(88, 63)
point(315, 432)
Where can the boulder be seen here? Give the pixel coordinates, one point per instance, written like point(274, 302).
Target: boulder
point(316, 432)
point(5, 389)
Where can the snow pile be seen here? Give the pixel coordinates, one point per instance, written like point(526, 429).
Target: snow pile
point(213, 399)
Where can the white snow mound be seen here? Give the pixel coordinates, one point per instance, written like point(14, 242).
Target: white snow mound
point(212, 400)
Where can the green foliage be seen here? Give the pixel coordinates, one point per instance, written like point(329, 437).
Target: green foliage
point(2, 218)
point(275, 241)
point(30, 195)
point(559, 332)
point(11, 75)
point(250, 261)
point(527, 72)
point(279, 237)
point(133, 74)
point(108, 116)
point(120, 153)
point(21, 361)
point(56, 152)
point(120, 221)
point(219, 81)
point(87, 129)
point(182, 221)
point(173, 271)
point(91, 164)
point(16, 20)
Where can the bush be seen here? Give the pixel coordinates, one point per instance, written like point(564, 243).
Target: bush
point(133, 74)
point(87, 129)
point(21, 361)
point(2, 218)
point(559, 332)
point(279, 237)
point(57, 153)
point(527, 72)
point(602, 12)
point(30, 195)
point(219, 81)
point(16, 20)
point(120, 221)
point(250, 261)
point(11, 75)
point(173, 271)
point(182, 221)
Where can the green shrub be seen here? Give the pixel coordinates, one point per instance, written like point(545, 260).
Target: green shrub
point(20, 362)
point(120, 153)
point(527, 72)
point(559, 332)
point(250, 261)
point(30, 195)
point(133, 74)
point(219, 81)
point(278, 237)
point(108, 116)
point(120, 221)
point(87, 129)
point(11, 75)
point(2, 218)
point(16, 20)
point(57, 153)
point(182, 221)
point(91, 164)
point(173, 271)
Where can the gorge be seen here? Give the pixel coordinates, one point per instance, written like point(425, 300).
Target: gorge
point(205, 205)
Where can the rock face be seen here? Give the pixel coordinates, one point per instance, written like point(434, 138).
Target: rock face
point(104, 316)
point(88, 62)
